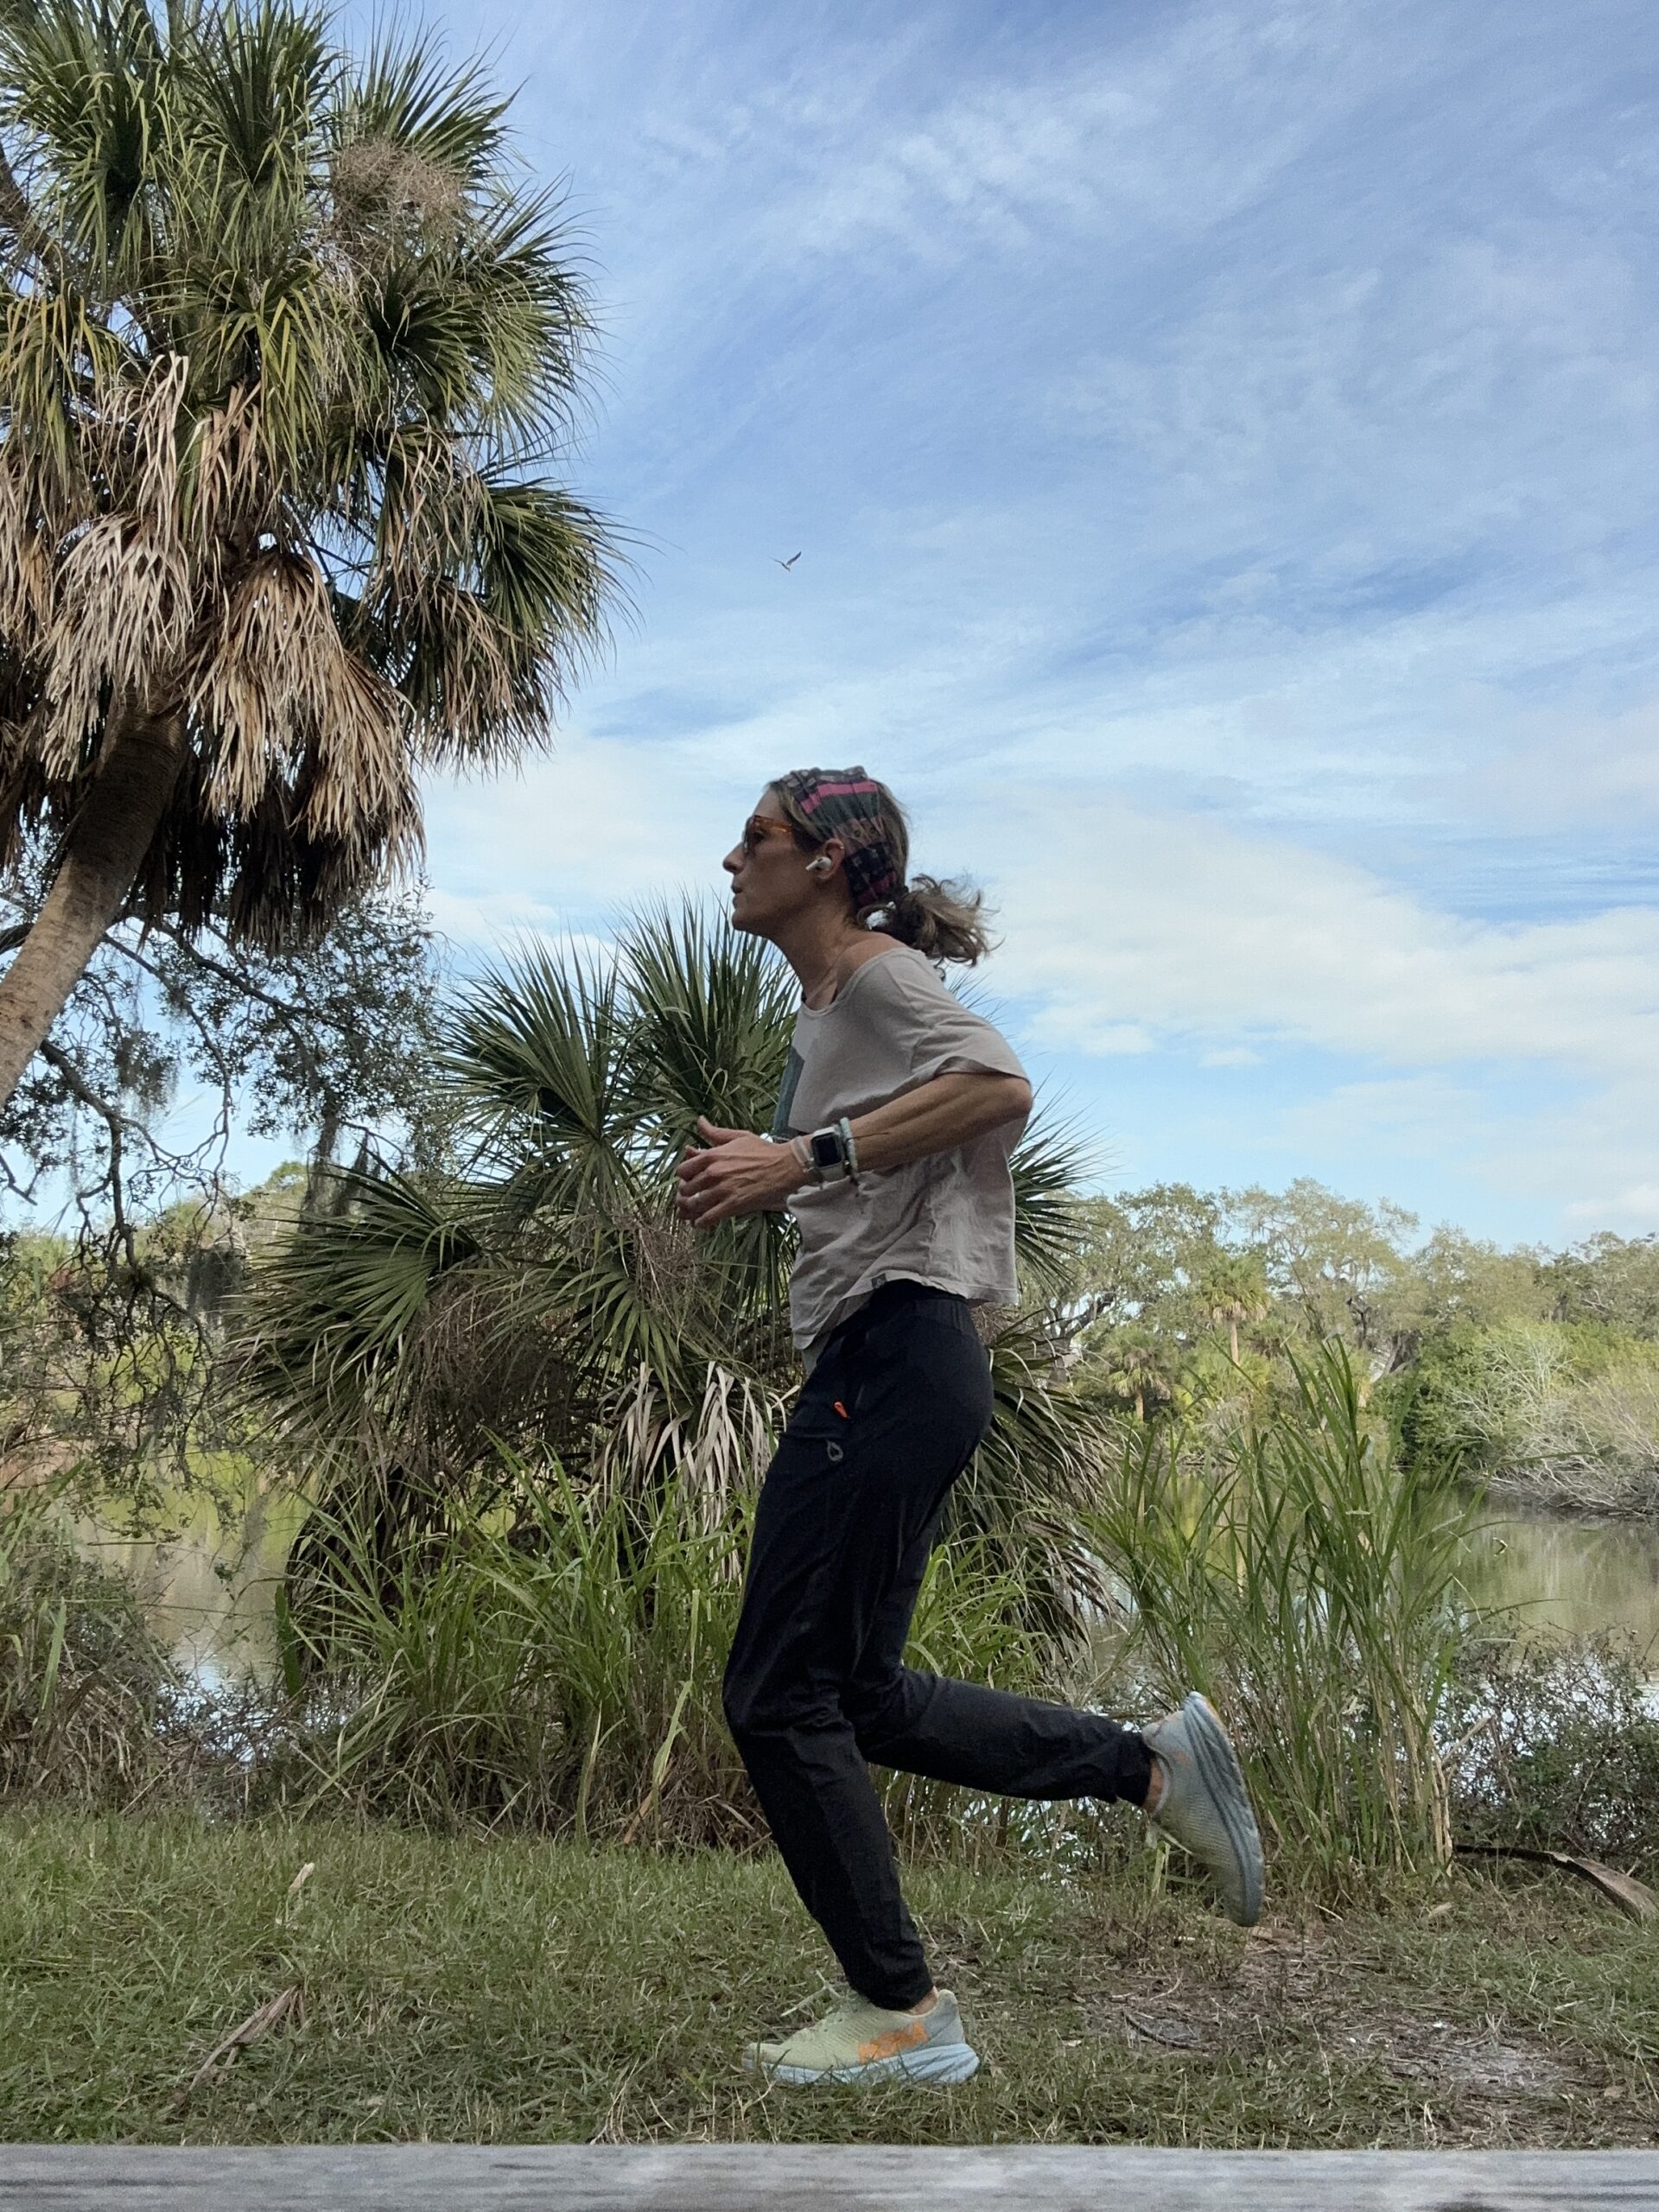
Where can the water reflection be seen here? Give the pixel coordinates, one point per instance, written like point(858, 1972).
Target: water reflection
point(208, 1587)
point(1582, 1576)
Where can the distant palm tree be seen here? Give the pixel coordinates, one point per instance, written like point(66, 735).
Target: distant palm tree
point(286, 348)
point(543, 1292)
point(1234, 1288)
point(1136, 1365)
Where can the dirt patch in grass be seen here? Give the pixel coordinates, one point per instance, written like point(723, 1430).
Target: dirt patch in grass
point(1464, 2022)
point(1295, 1991)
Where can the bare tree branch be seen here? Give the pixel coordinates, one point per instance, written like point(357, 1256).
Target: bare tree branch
point(118, 1124)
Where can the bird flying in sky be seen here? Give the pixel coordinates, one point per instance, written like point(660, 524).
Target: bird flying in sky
point(790, 563)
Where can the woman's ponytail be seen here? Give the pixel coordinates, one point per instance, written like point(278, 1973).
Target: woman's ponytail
point(944, 920)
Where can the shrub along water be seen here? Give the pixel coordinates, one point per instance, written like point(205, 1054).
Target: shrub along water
point(1557, 1746)
point(93, 1711)
point(1311, 1587)
point(1567, 1415)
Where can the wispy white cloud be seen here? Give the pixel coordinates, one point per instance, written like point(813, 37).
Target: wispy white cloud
point(1636, 1207)
point(1191, 930)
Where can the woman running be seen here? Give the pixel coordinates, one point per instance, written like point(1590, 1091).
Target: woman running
point(890, 1146)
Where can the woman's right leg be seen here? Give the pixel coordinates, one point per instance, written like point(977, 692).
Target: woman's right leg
point(839, 1514)
point(984, 1739)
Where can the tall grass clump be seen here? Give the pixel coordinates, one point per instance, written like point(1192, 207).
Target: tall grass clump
point(555, 1665)
point(1310, 1585)
point(86, 1689)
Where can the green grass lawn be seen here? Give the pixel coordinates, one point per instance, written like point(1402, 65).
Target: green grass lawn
point(518, 1991)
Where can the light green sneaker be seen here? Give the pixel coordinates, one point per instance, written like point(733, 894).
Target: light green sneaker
point(1205, 1806)
point(862, 2042)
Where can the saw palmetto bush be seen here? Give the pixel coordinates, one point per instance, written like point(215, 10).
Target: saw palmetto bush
point(540, 1294)
point(289, 349)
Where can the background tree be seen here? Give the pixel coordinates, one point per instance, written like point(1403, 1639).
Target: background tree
point(288, 347)
point(1233, 1289)
point(1143, 1252)
point(1132, 1366)
point(1614, 1280)
point(1337, 1259)
point(130, 1239)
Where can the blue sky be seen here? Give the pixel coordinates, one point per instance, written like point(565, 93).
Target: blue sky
point(1222, 443)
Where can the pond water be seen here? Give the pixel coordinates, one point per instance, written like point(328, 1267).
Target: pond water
point(1577, 1575)
point(209, 1591)
point(209, 1588)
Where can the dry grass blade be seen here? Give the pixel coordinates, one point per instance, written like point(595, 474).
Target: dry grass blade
point(291, 1895)
point(714, 1453)
point(287, 2004)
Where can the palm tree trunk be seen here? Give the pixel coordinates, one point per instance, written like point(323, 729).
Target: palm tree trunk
point(1232, 1332)
point(107, 843)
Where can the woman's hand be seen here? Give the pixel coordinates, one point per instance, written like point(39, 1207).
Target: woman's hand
point(738, 1172)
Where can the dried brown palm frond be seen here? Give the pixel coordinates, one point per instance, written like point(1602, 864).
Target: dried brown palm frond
point(712, 1452)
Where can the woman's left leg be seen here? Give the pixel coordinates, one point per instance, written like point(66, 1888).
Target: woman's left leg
point(930, 1725)
point(844, 1504)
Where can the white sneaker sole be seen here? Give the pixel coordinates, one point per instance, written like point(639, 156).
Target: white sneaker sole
point(938, 2062)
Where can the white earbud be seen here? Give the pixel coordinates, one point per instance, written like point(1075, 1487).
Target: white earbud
point(818, 867)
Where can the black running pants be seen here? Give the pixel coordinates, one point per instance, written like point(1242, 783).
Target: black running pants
point(816, 1685)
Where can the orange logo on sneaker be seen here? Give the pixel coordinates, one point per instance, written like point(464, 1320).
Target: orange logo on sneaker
point(895, 2039)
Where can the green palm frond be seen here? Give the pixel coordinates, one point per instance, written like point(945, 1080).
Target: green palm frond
point(408, 97)
point(82, 87)
point(535, 1054)
point(712, 1012)
point(1047, 1166)
point(334, 1309)
point(623, 1327)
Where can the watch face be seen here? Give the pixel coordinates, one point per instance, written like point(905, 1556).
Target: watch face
point(826, 1152)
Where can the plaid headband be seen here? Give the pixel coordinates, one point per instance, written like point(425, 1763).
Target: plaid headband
point(845, 802)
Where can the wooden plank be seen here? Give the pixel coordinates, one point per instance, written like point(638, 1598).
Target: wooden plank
point(816, 2178)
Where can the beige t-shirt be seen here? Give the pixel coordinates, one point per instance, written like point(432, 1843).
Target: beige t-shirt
point(947, 1220)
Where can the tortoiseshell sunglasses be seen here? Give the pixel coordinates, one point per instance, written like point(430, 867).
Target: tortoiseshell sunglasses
point(759, 827)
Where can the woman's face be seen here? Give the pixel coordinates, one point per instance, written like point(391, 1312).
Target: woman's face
point(767, 868)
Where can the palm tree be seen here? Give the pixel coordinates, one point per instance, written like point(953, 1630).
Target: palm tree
point(541, 1292)
point(1234, 1288)
point(287, 347)
point(1135, 1364)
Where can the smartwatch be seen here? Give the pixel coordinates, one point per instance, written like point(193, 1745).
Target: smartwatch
point(825, 1148)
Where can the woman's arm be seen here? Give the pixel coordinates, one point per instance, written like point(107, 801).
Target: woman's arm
point(741, 1174)
point(938, 1116)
